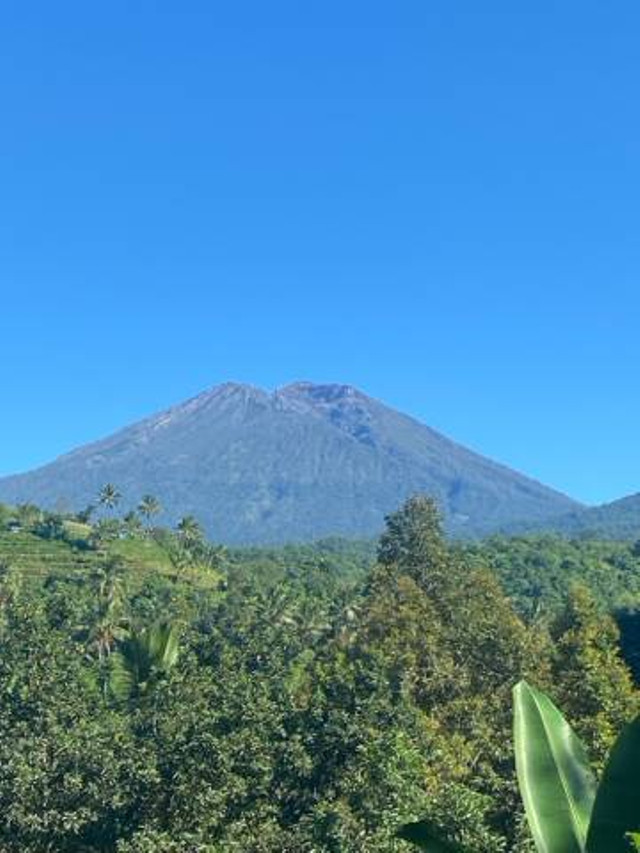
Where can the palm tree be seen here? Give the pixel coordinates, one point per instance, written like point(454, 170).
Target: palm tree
point(211, 556)
point(108, 581)
point(180, 556)
point(148, 507)
point(107, 625)
point(109, 496)
point(189, 530)
point(105, 631)
point(188, 547)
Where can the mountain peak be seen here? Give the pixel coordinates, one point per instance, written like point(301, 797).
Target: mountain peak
point(329, 392)
point(234, 389)
point(224, 392)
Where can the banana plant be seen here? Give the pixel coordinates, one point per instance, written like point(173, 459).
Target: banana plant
point(557, 785)
point(567, 811)
point(143, 659)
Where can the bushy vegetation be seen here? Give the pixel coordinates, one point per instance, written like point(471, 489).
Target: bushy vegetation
point(567, 809)
point(538, 570)
point(158, 693)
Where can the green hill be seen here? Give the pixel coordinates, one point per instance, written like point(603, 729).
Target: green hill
point(616, 520)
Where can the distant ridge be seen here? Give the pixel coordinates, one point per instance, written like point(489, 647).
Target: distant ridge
point(302, 462)
point(616, 520)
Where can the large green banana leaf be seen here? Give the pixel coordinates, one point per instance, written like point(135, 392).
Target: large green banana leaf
point(427, 836)
point(556, 782)
point(616, 812)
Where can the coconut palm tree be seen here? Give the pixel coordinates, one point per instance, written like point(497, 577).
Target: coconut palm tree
point(106, 629)
point(107, 624)
point(109, 497)
point(189, 547)
point(148, 507)
point(108, 581)
point(189, 530)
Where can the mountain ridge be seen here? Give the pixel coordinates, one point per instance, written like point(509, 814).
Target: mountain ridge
point(618, 519)
point(302, 461)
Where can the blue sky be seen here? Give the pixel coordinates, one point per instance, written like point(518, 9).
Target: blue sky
point(437, 202)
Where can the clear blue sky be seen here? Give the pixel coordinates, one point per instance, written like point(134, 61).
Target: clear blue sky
point(436, 201)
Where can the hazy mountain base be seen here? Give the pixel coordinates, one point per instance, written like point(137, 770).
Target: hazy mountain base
point(306, 711)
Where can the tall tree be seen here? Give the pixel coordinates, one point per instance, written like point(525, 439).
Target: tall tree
point(189, 530)
point(149, 507)
point(109, 496)
point(594, 685)
point(453, 641)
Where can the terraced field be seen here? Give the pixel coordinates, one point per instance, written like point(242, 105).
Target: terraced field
point(35, 557)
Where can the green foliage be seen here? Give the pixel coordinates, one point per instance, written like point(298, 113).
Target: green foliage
point(316, 703)
point(413, 538)
point(539, 571)
point(567, 812)
point(428, 837)
point(144, 657)
point(50, 526)
point(148, 507)
point(593, 684)
point(104, 531)
point(634, 839)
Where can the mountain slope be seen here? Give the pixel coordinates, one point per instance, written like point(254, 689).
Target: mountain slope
point(617, 520)
point(302, 462)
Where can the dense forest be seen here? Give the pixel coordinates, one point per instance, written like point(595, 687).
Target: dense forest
point(160, 693)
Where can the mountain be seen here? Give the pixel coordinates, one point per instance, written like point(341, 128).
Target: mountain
point(303, 462)
point(617, 520)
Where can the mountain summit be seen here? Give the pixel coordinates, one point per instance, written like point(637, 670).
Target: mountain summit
point(301, 462)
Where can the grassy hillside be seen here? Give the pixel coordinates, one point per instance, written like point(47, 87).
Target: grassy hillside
point(74, 551)
point(32, 555)
point(35, 557)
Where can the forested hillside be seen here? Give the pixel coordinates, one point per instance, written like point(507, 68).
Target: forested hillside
point(616, 520)
point(538, 571)
point(158, 693)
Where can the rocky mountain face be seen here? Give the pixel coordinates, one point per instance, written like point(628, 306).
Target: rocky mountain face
point(300, 463)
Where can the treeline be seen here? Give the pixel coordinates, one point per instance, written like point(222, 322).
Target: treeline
point(537, 571)
point(291, 710)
